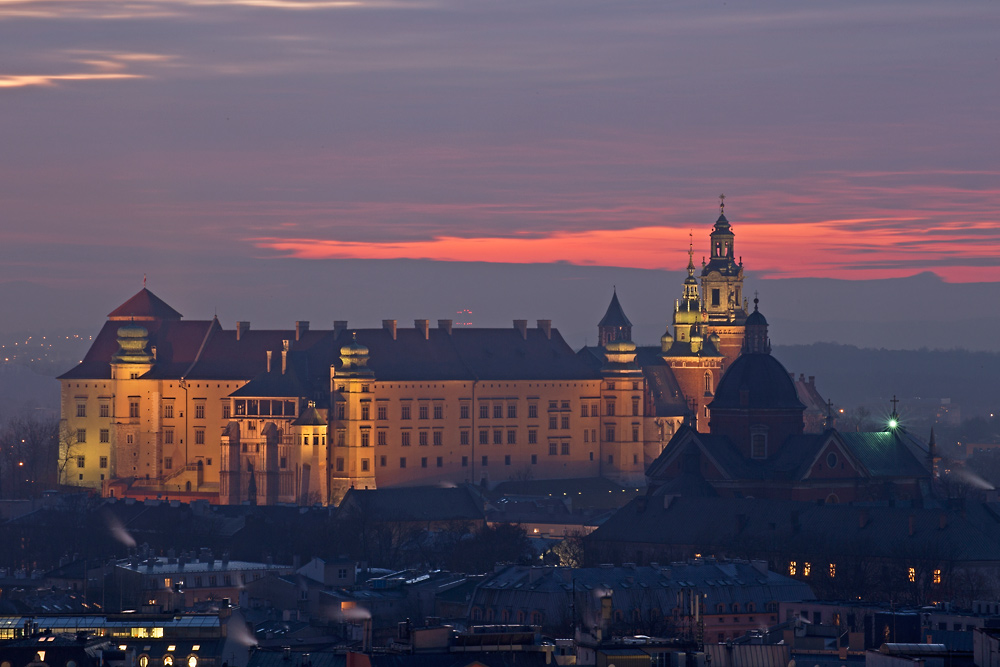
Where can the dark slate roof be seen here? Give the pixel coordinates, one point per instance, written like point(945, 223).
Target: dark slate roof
point(469, 354)
point(887, 454)
point(615, 316)
point(501, 354)
point(716, 524)
point(145, 305)
point(414, 503)
point(312, 416)
point(464, 659)
point(275, 384)
point(766, 380)
point(638, 587)
point(177, 346)
point(683, 349)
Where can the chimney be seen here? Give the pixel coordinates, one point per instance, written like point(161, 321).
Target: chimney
point(445, 325)
point(301, 327)
point(812, 380)
point(241, 329)
point(863, 519)
point(546, 326)
point(338, 326)
point(390, 326)
point(522, 326)
point(424, 327)
point(913, 524)
point(284, 361)
point(269, 361)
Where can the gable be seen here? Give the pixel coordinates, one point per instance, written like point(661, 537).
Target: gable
point(834, 461)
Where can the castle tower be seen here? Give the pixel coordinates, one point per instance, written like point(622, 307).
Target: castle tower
point(692, 355)
point(135, 450)
point(353, 402)
point(622, 451)
point(723, 306)
point(614, 325)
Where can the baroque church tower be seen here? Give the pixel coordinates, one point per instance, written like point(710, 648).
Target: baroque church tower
point(692, 353)
point(723, 306)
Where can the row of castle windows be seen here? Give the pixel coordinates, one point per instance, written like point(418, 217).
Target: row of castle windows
point(498, 412)
point(383, 461)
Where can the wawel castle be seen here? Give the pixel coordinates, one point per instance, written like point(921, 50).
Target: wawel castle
point(188, 409)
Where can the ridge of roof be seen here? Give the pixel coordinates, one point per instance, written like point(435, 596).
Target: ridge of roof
point(144, 305)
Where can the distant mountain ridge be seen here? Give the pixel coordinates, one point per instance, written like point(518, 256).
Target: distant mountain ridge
point(903, 313)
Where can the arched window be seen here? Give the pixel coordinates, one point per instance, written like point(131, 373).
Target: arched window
point(536, 618)
point(832, 499)
point(505, 616)
point(520, 618)
point(708, 383)
point(477, 614)
point(720, 608)
point(636, 616)
point(751, 607)
point(735, 607)
point(489, 615)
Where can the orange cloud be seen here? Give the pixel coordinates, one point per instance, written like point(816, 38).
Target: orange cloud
point(889, 247)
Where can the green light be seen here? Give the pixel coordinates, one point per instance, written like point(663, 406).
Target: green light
point(893, 423)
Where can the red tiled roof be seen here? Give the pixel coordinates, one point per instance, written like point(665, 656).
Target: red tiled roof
point(144, 306)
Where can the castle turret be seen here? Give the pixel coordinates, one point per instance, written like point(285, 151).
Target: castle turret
point(353, 398)
point(614, 325)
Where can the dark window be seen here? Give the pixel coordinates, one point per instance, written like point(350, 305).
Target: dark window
point(484, 411)
point(506, 460)
point(532, 436)
point(512, 411)
point(532, 411)
point(199, 410)
point(404, 412)
point(438, 437)
point(423, 412)
point(438, 412)
point(716, 300)
point(422, 438)
point(383, 411)
point(404, 439)
point(81, 409)
point(463, 411)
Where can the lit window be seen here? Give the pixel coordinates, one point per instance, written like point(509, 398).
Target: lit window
point(199, 411)
point(383, 411)
point(806, 569)
point(937, 577)
point(81, 435)
point(106, 410)
point(792, 568)
point(438, 438)
point(833, 570)
point(81, 409)
point(911, 574)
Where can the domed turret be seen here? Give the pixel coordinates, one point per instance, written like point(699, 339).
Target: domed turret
point(755, 340)
point(132, 342)
point(619, 355)
point(354, 357)
point(666, 341)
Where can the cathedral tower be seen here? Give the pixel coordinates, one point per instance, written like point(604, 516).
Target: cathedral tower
point(723, 304)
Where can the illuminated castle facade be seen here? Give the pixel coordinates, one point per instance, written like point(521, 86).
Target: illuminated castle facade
point(166, 407)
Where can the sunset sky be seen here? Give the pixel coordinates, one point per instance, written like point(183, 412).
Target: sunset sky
point(203, 142)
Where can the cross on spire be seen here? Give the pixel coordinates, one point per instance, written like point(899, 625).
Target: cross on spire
point(894, 401)
point(722, 203)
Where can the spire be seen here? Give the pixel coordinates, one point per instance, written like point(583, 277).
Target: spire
point(614, 325)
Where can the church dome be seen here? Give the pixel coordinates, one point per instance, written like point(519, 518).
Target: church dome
point(756, 318)
point(756, 381)
point(620, 347)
